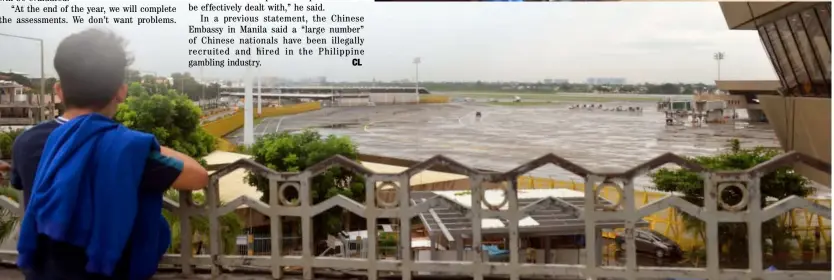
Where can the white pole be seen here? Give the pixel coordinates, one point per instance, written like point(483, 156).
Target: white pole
point(203, 89)
point(417, 79)
point(248, 120)
point(417, 100)
point(259, 92)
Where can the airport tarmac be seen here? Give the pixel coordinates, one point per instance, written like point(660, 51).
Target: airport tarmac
point(507, 136)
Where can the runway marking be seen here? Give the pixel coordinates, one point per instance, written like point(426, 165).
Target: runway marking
point(460, 119)
point(368, 125)
point(278, 126)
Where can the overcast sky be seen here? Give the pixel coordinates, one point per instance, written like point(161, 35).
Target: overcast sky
point(464, 41)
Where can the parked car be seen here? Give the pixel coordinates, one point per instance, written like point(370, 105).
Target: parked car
point(652, 242)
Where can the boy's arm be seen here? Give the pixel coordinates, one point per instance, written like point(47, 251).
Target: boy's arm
point(192, 176)
point(168, 168)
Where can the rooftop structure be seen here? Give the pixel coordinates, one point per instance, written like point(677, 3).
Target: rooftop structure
point(548, 212)
point(744, 95)
point(797, 39)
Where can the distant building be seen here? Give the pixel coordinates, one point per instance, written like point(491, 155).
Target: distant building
point(555, 81)
point(163, 80)
point(606, 81)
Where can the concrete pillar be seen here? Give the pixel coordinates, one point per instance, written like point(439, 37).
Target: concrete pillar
point(360, 248)
point(459, 247)
point(599, 246)
point(548, 257)
point(433, 242)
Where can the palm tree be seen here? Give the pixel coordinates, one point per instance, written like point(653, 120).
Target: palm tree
point(8, 219)
point(231, 226)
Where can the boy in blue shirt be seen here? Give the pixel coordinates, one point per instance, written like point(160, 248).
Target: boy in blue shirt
point(91, 67)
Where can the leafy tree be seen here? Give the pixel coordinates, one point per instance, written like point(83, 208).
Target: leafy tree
point(175, 121)
point(170, 116)
point(8, 220)
point(6, 140)
point(295, 152)
point(666, 88)
point(779, 184)
point(133, 76)
point(195, 90)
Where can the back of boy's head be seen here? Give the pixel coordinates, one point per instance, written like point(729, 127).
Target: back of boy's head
point(91, 67)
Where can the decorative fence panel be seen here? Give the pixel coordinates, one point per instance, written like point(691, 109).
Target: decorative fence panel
point(670, 223)
point(715, 210)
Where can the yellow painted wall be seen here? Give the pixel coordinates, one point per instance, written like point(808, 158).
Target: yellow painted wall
point(434, 99)
point(224, 126)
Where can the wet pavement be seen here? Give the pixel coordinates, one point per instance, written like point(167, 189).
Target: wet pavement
point(507, 136)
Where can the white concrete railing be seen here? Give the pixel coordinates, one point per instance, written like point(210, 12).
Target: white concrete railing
point(749, 210)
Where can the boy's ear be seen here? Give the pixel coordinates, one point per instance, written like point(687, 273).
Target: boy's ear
point(58, 91)
point(122, 94)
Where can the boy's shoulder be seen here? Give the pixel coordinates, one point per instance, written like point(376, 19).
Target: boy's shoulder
point(36, 134)
point(125, 138)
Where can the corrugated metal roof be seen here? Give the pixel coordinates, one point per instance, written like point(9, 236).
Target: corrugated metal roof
point(558, 212)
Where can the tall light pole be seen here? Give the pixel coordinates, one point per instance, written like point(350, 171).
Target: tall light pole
point(182, 84)
point(248, 121)
point(259, 92)
point(155, 85)
point(417, 78)
point(203, 90)
point(719, 56)
point(43, 77)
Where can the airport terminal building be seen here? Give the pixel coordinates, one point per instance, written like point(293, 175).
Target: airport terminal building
point(797, 39)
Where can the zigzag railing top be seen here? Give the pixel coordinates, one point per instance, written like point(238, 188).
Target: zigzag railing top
point(783, 160)
point(624, 212)
point(404, 208)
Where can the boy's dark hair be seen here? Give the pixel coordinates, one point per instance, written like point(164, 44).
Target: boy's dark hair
point(91, 67)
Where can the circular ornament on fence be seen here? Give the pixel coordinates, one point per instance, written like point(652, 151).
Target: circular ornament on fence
point(384, 203)
point(741, 204)
point(282, 197)
point(498, 206)
point(603, 206)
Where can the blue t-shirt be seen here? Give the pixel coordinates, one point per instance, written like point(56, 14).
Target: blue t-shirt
point(59, 260)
